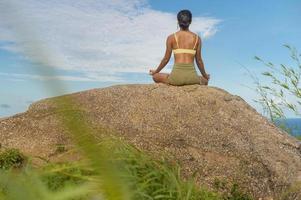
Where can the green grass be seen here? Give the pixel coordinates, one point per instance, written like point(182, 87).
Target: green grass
point(158, 179)
point(60, 175)
point(11, 158)
point(147, 178)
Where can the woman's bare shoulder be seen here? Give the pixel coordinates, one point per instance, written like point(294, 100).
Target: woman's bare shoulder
point(171, 37)
point(198, 36)
point(195, 34)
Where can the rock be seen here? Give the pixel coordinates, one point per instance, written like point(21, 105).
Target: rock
point(207, 130)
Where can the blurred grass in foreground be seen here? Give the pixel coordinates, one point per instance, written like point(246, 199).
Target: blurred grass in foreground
point(148, 178)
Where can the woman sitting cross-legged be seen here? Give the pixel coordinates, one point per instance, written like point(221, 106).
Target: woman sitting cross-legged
point(186, 47)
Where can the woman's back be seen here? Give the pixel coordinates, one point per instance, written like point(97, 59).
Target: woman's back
point(184, 40)
point(186, 46)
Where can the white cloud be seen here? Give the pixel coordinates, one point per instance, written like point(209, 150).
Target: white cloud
point(90, 36)
point(87, 78)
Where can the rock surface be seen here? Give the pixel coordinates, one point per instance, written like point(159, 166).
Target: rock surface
point(209, 131)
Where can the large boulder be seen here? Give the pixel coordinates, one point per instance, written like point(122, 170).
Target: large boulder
point(210, 132)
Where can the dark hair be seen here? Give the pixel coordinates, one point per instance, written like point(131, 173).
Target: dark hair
point(184, 18)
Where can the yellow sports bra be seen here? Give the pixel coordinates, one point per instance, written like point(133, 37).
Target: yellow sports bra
point(178, 50)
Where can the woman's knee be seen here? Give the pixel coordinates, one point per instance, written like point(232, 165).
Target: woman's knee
point(156, 77)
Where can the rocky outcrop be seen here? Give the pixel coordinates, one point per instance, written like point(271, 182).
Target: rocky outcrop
point(212, 133)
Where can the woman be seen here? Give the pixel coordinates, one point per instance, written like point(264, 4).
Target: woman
point(186, 46)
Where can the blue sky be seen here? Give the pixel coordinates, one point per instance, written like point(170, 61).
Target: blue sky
point(92, 44)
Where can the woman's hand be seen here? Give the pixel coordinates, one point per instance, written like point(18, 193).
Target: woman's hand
point(152, 72)
point(207, 76)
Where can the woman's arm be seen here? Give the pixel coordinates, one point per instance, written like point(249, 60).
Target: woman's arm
point(167, 55)
point(199, 60)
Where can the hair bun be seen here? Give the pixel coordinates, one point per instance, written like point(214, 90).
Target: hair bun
point(184, 24)
point(184, 18)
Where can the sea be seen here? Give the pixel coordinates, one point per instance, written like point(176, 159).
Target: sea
point(291, 125)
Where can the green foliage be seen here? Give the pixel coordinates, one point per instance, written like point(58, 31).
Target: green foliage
point(11, 158)
point(60, 148)
point(108, 175)
point(28, 185)
point(284, 89)
point(148, 178)
point(60, 175)
point(159, 179)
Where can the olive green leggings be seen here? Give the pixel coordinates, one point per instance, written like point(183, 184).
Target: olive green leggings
point(183, 74)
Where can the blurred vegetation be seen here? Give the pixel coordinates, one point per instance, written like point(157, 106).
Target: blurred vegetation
point(148, 178)
point(11, 158)
point(283, 91)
